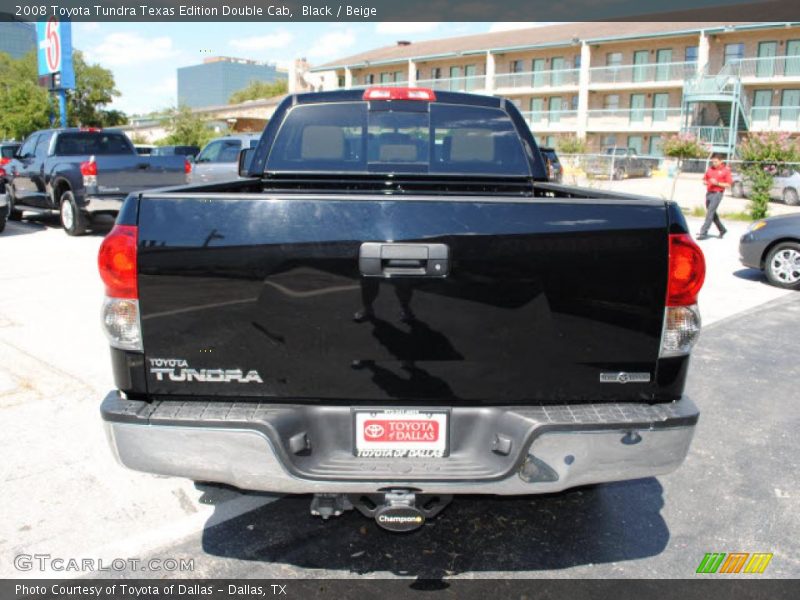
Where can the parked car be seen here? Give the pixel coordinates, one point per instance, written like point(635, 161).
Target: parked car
point(189, 152)
point(392, 305)
point(84, 172)
point(785, 187)
point(620, 163)
point(144, 149)
point(555, 172)
point(7, 151)
point(773, 246)
point(218, 160)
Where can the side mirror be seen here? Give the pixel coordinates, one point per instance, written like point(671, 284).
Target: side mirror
point(245, 159)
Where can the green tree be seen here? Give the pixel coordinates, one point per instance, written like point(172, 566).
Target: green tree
point(186, 128)
point(258, 90)
point(764, 155)
point(682, 146)
point(94, 90)
point(24, 106)
point(27, 107)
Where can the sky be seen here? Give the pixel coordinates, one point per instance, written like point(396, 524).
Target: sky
point(144, 56)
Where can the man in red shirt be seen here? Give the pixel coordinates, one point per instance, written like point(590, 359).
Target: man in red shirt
point(717, 179)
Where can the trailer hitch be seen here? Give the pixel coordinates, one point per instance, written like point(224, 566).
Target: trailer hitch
point(394, 510)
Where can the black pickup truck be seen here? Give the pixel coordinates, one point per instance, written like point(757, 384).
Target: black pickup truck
point(394, 306)
point(84, 172)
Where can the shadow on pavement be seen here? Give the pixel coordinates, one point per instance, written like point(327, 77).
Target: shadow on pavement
point(600, 524)
point(36, 222)
point(751, 275)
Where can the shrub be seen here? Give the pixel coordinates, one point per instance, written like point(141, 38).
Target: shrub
point(763, 156)
point(570, 144)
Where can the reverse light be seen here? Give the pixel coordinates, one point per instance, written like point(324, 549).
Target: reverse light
point(686, 274)
point(681, 329)
point(117, 264)
point(399, 93)
point(89, 172)
point(121, 324)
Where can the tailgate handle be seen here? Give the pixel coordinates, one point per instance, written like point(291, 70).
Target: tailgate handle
point(378, 259)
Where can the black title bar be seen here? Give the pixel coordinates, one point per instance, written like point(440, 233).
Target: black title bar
point(396, 10)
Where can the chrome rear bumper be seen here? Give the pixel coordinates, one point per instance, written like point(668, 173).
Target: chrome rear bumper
point(250, 446)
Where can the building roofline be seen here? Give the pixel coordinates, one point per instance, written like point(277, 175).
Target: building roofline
point(557, 44)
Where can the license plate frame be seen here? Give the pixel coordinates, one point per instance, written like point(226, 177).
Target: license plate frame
point(402, 449)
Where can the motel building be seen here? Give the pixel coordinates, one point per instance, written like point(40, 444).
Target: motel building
point(612, 84)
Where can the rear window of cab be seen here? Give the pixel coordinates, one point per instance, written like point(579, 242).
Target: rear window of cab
point(400, 137)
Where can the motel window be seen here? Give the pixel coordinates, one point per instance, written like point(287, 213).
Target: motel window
point(537, 109)
point(654, 148)
point(554, 107)
point(436, 73)
point(340, 81)
point(613, 59)
point(762, 101)
point(369, 79)
point(399, 76)
point(635, 142)
point(517, 66)
point(609, 141)
point(456, 83)
point(611, 102)
point(734, 52)
point(386, 77)
point(573, 103)
point(691, 54)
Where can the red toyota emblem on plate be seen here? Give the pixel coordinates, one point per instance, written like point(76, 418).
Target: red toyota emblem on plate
point(401, 430)
point(373, 430)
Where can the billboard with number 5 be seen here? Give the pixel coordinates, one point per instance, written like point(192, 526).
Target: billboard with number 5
point(54, 48)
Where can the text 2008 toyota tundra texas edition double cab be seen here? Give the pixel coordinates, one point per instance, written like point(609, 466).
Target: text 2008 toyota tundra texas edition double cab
point(395, 306)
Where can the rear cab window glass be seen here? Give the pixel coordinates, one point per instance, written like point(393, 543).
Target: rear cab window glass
point(8, 151)
point(92, 143)
point(221, 151)
point(412, 138)
point(29, 146)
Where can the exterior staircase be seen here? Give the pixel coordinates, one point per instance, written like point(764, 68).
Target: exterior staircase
point(715, 109)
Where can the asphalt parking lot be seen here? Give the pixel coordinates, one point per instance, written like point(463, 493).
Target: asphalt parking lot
point(737, 492)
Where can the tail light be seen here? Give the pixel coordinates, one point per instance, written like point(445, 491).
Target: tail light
point(399, 93)
point(187, 166)
point(686, 273)
point(117, 264)
point(89, 172)
point(3, 162)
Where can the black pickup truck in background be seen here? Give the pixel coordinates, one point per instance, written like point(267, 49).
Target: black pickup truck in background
point(84, 172)
point(395, 306)
point(620, 163)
